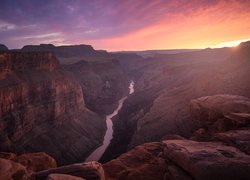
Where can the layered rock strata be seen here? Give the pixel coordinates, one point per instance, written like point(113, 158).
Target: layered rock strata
point(42, 109)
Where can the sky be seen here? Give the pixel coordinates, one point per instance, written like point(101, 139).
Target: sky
point(116, 25)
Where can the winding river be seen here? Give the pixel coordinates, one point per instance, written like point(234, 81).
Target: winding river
point(96, 155)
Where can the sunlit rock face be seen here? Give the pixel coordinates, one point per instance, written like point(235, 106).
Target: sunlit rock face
point(42, 106)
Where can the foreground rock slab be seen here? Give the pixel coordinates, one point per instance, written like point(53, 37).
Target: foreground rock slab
point(143, 162)
point(239, 138)
point(208, 160)
point(62, 177)
point(91, 171)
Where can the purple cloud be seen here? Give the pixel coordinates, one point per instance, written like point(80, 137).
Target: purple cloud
point(68, 21)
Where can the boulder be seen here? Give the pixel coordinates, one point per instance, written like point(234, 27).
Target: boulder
point(8, 155)
point(220, 112)
point(208, 160)
point(239, 138)
point(11, 170)
point(143, 162)
point(36, 161)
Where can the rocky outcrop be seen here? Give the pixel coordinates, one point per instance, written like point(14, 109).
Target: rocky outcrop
point(143, 162)
point(11, 170)
point(207, 160)
point(239, 138)
point(3, 47)
point(220, 112)
point(36, 161)
point(103, 82)
point(214, 115)
point(33, 166)
point(180, 159)
point(32, 161)
point(224, 154)
point(41, 105)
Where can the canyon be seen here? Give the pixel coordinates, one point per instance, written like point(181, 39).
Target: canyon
point(44, 105)
point(170, 82)
point(187, 111)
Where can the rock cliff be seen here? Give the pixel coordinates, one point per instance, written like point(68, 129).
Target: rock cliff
point(103, 82)
point(42, 109)
point(165, 84)
point(224, 156)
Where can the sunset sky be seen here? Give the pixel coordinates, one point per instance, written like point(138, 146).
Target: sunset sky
point(125, 24)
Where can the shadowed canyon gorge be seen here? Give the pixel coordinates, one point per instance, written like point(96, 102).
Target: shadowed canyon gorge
point(175, 114)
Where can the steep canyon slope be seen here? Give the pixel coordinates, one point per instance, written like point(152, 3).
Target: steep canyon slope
point(43, 109)
point(165, 85)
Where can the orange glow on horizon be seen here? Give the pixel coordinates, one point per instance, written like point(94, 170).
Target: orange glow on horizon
point(219, 26)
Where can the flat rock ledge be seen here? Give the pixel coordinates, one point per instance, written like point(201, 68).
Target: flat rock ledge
point(89, 170)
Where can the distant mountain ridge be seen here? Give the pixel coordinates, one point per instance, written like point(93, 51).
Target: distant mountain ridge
point(65, 51)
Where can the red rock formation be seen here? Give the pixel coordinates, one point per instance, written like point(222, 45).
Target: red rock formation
point(219, 113)
point(36, 161)
point(8, 155)
point(143, 162)
point(36, 166)
point(41, 105)
point(11, 170)
point(184, 159)
point(208, 160)
point(165, 85)
point(32, 161)
point(239, 138)
point(12, 62)
point(208, 110)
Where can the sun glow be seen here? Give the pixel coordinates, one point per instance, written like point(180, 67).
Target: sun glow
point(230, 43)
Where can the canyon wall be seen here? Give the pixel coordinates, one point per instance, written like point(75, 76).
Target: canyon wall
point(103, 82)
point(164, 87)
point(42, 109)
point(218, 150)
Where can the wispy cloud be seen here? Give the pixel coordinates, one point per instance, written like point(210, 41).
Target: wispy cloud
point(117, 24)
point(4, 26)
point(40, 36)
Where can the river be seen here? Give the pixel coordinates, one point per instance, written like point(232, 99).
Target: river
point(96, 155)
